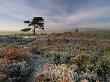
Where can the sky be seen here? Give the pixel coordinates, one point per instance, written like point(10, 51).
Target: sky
point(58, 14)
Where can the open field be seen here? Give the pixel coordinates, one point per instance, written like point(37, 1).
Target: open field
point(55, 57)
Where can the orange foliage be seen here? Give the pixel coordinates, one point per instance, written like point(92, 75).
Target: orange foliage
point(46, 68)
point(10, 52)
point(2, 63)
point(8, 55)
point(65, 79)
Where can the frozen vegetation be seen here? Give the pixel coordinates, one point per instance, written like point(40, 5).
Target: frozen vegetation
point(56, 57)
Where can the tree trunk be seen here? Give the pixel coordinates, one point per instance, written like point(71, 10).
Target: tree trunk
point(34, 31)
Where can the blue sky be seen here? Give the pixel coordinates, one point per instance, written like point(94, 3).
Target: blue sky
point(58, 14)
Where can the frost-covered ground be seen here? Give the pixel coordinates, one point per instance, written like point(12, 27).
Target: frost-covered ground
point(56, 57)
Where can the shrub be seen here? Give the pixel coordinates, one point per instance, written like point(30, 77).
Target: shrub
point(17, 71)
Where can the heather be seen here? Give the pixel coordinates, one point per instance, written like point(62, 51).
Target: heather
point(55, 57)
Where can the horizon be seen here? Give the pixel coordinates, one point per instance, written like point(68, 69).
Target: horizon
point(59, 15)
point(9, 32)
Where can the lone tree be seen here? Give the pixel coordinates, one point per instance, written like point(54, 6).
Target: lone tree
point(37, 22)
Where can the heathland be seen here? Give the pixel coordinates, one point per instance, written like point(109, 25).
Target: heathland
point(55, 57)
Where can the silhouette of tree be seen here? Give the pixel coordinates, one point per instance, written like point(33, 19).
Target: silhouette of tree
point(76, 30)
point(37, 22)
point(26, 29)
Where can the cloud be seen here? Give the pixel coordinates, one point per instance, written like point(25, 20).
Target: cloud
point(84, 15)
point(58, 14)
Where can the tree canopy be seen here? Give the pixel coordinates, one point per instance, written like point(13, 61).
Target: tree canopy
point(36, 22)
